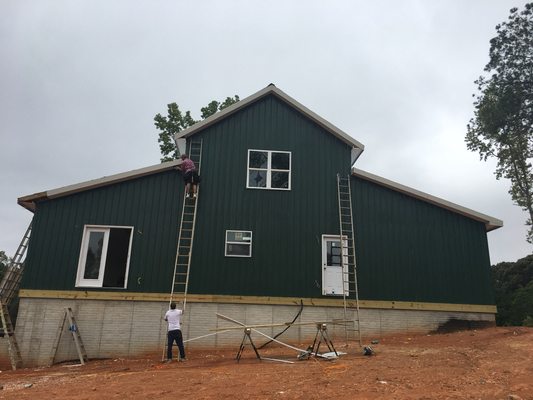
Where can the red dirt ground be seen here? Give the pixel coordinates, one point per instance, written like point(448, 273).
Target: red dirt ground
point(493, 363)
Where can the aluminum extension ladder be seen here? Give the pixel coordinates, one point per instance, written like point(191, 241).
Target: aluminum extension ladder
point(13, 348)
point(348, 259)
point(10, 283)
point(9, 287)
point(74, 329)
point(182, 265)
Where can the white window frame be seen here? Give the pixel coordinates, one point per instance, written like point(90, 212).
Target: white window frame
point(226, 242)
point(105, 229)
point(268, 170)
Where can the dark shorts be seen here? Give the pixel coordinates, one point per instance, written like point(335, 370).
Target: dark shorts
point(191, 177)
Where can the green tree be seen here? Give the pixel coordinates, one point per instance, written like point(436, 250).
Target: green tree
point(3, 259)
point(176, 121)
point(513, 287)
point(4, 262)
point(502, 126)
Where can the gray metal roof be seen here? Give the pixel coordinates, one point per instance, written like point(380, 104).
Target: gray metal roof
point(491, 223)
point(29, 201)
point(272, 89)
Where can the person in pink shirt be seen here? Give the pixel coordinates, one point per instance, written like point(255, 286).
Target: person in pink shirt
point(190, 175)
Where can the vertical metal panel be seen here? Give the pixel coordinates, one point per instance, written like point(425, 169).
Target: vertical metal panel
point(286, 225)
point(410, 250)
point(150, 204)
point(407, 250)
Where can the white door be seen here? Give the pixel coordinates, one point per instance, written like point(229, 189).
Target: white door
point(332, 277)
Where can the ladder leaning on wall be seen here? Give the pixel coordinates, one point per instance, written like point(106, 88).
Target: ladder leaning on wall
point(9, 286)
point(182, 264)
point(348, 259)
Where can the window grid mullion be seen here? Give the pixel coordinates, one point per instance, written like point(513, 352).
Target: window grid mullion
point(269, 172)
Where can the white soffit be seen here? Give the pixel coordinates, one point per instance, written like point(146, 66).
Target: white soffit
point(491, 223)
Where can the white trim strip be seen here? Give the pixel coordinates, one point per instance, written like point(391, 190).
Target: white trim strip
point(27, 201)
point(271, 89)
point(491, 223)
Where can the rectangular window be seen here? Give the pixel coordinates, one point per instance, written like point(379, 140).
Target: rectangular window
point(238, 244)
point(269, 170)
point(104, 257)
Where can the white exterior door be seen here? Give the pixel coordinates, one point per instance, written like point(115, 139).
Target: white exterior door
point(332, 277)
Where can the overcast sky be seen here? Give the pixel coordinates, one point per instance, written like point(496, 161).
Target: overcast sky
point(80, 83)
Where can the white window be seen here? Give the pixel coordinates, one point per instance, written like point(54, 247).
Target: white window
point(269, 170)
point(104, 257)
point(238, 244)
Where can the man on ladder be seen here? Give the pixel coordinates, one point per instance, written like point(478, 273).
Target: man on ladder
point(173, 318)
point(190, 175)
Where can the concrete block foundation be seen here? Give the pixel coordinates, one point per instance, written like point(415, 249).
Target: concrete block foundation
point(121, 329)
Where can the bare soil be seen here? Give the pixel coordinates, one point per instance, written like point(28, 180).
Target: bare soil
point(493, 363)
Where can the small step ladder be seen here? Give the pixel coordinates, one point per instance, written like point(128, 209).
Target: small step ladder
point(182, 265)
point(9, 332)
point(348, 259)
point(10, 283)
point(73, 328)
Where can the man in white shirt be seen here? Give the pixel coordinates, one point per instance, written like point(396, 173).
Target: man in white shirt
point(173, 317)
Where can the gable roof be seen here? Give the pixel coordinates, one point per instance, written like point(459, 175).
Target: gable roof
point(29, 201)
point(357, 147)
point(491, 223)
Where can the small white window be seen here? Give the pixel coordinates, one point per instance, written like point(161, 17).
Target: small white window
point(104, 257)
point(238, 244)
point(269, 170)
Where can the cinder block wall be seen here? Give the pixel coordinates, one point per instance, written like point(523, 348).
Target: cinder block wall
point(118, 329)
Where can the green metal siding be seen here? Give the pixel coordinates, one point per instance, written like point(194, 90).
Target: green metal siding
point(410, 250)
point(407, 250)
point(150, 204)
point(286, 225)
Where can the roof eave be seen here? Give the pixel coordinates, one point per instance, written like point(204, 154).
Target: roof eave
point(491, 223)
point(270, 89)
point(29, 202)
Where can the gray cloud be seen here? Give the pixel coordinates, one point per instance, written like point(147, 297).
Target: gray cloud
point(81, 82)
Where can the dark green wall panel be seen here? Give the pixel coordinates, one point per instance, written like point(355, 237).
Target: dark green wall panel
point(407, 250)
point(410, 250)
point(286, 225)
point(150, 204)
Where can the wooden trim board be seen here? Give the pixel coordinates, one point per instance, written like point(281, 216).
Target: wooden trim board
point(195, 298)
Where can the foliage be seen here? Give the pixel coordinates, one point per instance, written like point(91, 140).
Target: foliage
point(502, 126)
point(176, 121)
point(513, 284)
point(4, 261)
